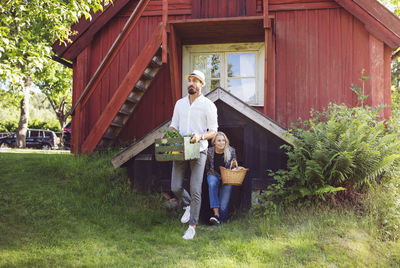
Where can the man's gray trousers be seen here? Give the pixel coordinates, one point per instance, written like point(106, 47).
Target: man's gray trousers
point(196, 179)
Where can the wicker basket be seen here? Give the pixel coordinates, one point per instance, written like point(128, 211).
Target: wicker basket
point(233, 176)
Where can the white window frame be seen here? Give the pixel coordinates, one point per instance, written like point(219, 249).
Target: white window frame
point(235, 48)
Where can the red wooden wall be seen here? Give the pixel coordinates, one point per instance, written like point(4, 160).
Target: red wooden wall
point(319, 49)
point(319, 54)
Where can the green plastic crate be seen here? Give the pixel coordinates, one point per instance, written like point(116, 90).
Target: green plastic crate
point(172, 149)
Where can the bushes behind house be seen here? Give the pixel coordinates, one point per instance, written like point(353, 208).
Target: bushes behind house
point(343, 155)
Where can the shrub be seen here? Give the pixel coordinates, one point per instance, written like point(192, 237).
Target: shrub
point(339, 149)
point(8, 126)
point(12, 126)
point(382, 204)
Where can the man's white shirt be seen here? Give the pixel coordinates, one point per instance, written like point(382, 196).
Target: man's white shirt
point(197, 117)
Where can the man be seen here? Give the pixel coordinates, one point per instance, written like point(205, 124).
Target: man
point(195, 115)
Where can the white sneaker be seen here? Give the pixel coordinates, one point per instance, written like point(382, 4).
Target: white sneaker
point(186, 216)
point(189, 234)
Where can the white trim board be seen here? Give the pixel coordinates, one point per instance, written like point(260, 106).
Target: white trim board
point(249, 112)
point(217, 94)
point(136, 148)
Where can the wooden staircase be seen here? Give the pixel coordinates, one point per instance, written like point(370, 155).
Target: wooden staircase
point(131, 101)
point(118, 110)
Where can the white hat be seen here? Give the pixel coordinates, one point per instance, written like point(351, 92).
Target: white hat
point(199, 75)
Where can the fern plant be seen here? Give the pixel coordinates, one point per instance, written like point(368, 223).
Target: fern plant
point(338, 149)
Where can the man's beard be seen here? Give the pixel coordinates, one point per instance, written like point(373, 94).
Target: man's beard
point(191, 91)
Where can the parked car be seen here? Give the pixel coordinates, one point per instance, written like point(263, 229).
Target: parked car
point(35, 138)
point(67, 136)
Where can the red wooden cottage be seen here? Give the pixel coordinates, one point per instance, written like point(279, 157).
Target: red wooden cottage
point(270, 60)
point(281, 57)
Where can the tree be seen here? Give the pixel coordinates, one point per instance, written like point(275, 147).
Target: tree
point(27, 30)
point(55, 81)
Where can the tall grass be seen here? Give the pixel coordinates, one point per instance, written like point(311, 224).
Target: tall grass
point(61, 210)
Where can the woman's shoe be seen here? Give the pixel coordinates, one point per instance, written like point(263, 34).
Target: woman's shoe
point(214, 220)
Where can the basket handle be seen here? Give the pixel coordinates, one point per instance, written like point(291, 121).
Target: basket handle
point(233, 162)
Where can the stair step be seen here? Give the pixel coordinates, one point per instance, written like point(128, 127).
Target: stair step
point(108, 137)
point(114, 124)
point(149, 74)
point(124, 112)
point(132, 98)
point(140, 86)
point(156, 62)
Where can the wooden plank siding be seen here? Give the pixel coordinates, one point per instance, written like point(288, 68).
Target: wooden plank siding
point(319, 53)
point(222, 8)
point(317, 50)
point(118, 68)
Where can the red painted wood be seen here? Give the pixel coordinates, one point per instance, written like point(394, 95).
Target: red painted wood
point(387, 68)
point(214, 30)
point(109, 113)
point(381, 14)
point(86, 37)
point(223, 8)
point(319, 53)
point(117, 46)
point(346, 38)
point(372, 25)
point(123, 55)
point(80, 80)
point(164, 30)
point(376, 55)
point(360, 57)
point(92, 105)
point(302, 6)
point(155, 108)
point(276, 2)
point(270, 95)
point(265, 14)
point(251, 7)
point(173, 65)
point(259, 7)
point(196, 4)
point(87, 27)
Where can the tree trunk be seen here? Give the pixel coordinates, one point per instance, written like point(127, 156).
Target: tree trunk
point(62, 122)
point(24, 115)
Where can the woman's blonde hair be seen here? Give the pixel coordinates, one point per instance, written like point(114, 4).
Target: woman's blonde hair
point(227, 152)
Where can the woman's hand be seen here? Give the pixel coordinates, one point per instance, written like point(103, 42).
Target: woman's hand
point(234, 163)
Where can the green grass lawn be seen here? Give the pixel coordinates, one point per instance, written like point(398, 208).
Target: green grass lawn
point(61, 210)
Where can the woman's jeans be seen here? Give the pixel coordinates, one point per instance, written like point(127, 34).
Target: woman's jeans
point(220, 200)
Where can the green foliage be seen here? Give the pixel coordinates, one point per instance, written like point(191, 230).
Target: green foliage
point(360, 91)
point(172, 133)
point(8, 126)
point(41, 114)
point(47, 220)
point(382, 204)
point(51, 125)
point(55, 82)
point(28, 28)
point(338, 149)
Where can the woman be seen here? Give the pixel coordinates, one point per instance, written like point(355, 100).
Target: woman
point(221, 154)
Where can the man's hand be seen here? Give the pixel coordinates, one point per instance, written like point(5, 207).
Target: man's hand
point(195, 138)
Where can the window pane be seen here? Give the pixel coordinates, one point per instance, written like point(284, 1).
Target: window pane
point(210, 65)
point(214, 84)
point(34, 133)
point(241, 65)
point(243, 88)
